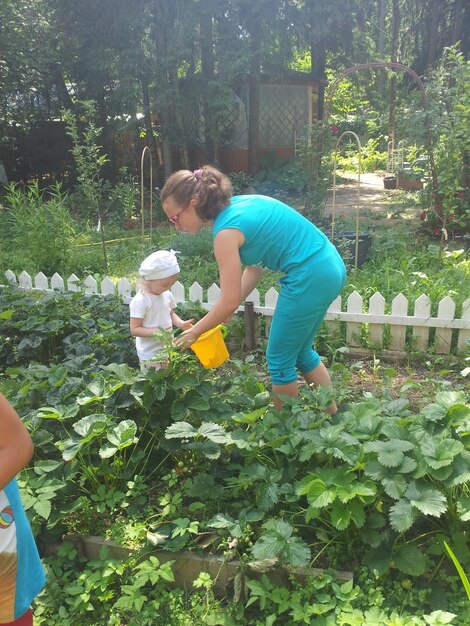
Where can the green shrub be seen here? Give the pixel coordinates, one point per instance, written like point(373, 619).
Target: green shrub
point(40, 230)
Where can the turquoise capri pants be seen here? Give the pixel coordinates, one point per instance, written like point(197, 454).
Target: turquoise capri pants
point(303, 301)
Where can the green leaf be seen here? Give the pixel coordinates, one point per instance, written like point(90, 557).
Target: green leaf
point(379, 559)
point(58, 376)
point(439, 618)
point(434, 412)
point(340, 515)
point(358, 515)
point(69, 448)
point(447, 399)
point(46, 466)
point(221, 521)
point(185, 380)
point(197, 402)
point(267, 495)
point(214, 432)
point(440, 453)
point(43, 508)
point(107, 451)
point(394, 486)
point(459, 568)
point(209, 449)
point(463, 508)
point(297, 553)
point(122, 371)
point(180, 430)
point(267, 546)
point(90, 426)
point(123, 434)
point(402, 515)
point(318, 495)
point(461, 469)
point(389, 453)
point(179, 410)
point(410, 560)
point(278, 540)
point(426, 499)
point(249, 418)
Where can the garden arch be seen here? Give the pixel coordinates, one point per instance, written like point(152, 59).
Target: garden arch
point(394, 66)
point(358, 190)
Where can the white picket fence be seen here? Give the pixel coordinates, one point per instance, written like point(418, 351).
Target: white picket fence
point(355, 315)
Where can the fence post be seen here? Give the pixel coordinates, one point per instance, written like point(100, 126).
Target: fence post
point(421, 334)
point(464, 335)
point(250, 336)
point(446, 310)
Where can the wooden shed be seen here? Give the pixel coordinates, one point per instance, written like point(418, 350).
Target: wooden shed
point(288, 108)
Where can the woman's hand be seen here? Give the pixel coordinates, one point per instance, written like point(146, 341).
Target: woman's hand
point(186, 339)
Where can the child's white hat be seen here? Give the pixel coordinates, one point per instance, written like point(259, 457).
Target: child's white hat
point(160, 264)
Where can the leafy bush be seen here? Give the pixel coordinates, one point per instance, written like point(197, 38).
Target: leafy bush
point(449, 206)
point(39, 228)
point(175, 456)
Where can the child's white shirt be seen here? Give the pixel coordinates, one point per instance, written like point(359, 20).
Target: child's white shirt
point(156, 313)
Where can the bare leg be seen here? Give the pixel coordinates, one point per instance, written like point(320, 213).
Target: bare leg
point(291, 389)
point(320, 376)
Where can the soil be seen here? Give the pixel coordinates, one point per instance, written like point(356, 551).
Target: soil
point(373, 197)
point(368, 377)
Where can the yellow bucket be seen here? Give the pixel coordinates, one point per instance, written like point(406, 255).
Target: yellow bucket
point(210, 348)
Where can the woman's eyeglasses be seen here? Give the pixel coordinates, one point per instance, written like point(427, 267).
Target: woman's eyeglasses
point(174, 218)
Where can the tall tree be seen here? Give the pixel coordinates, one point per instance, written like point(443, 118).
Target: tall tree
point(394, 59)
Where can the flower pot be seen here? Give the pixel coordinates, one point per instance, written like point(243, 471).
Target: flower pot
point(346, 244)
point(390, 182)
point(409, 184)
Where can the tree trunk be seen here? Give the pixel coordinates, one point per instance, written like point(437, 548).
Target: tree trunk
point(318, 69)
point(254, 94)
point(457, 29)
point(382, 11)
point(393, 58)
point(432, 33)
point(207, 70)
point(58, 80)
point(150, 139)
point(161, 29)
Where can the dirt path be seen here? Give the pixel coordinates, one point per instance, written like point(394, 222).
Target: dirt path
point(372, 196)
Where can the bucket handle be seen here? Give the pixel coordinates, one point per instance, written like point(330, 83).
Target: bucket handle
point(223, 330)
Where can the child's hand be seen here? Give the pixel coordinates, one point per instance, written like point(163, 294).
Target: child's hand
point(186, 325)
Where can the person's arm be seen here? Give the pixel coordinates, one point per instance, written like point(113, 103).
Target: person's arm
point(139, 330)
point(250, 278)
point(16, 446)
point(226, 250)
point(179, 323)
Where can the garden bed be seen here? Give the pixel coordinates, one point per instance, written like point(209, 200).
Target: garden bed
point(187, 565)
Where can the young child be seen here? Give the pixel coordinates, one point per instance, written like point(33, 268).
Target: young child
point(21, 573)
point(152, 306)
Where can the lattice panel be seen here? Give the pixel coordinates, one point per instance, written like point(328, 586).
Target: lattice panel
point(233, 125)
point(284, 112)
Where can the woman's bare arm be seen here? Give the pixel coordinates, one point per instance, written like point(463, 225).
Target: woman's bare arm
point(226, 249)
point(16, 446)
